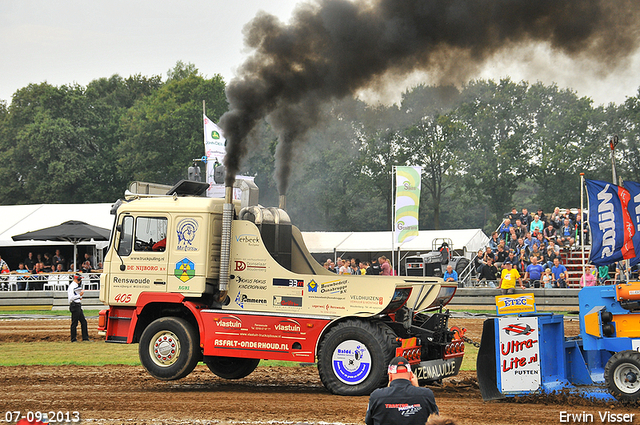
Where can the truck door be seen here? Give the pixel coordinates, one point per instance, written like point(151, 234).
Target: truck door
point(141, 247)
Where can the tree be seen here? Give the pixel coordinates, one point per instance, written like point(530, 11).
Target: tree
point(162, 134)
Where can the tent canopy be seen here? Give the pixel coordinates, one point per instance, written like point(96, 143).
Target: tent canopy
point(73, 231)
point(18, 219)
point(378, 242)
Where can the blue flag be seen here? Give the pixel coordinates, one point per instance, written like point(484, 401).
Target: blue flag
point(612, 229)
point(634, 212)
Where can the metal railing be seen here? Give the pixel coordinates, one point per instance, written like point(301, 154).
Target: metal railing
point(47, 281)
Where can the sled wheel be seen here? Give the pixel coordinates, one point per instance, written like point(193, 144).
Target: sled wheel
point(169, 348)
point(622, 375)
point(231, 367)
point(354, 355)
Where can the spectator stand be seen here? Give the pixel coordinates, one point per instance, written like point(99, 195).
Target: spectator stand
point(58, 282)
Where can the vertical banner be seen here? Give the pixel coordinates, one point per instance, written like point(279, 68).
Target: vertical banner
point(612, 229)
point(408, 185)
point(519, 354)
point(634, 212)
point(214, 148)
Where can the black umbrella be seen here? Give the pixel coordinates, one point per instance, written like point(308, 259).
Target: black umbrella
point(70, 231)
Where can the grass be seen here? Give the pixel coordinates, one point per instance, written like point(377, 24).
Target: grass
point(54, 313)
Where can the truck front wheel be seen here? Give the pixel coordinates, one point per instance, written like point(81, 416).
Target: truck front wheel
point(231, 367)
point(169, 348)
point(353, 357)
point(622, 375)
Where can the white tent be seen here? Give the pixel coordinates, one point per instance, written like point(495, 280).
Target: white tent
point(469, 240)
point(18, 219)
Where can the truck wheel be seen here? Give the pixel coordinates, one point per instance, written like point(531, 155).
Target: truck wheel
point(353, 357)
point(622, 375)
point(231, 367)
point(169, 348)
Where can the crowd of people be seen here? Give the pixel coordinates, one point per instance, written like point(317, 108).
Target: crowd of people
point(45, 263)
point(353, 266)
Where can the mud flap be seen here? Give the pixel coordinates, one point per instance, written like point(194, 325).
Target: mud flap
point(486, 363)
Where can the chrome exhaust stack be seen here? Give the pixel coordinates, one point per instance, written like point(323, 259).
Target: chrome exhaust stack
point(225, 243)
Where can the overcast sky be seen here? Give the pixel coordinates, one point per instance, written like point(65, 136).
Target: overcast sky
point(67, 41)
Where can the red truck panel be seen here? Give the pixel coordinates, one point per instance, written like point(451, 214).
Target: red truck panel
point(261, 336)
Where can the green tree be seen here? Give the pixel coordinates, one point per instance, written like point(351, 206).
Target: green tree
point(163, 133)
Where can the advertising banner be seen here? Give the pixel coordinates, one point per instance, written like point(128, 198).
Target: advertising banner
point(408, 185)
point(214, 148)
point(519, 354)
point(515, 304)
point(634, 212)
point(612, 229)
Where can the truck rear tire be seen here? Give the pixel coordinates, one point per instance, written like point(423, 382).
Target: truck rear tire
point(169, 348)
point(622, 375)
point(231, 367)
point(354, 355)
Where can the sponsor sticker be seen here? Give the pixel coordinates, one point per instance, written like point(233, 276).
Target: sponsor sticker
point(186, 230)
point(185, 269)
point(242, 299)
point(515, 304)
point(291, 283)
point(286, 301)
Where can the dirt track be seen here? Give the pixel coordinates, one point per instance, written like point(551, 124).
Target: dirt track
point(126, 394)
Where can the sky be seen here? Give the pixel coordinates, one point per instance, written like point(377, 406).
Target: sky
point(76, 41)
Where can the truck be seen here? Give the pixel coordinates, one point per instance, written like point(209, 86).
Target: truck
point(229, 282)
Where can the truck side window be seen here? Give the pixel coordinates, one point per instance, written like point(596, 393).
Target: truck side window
point(151, 234)
point(126, 237)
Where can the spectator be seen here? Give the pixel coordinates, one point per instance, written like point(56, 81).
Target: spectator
point(536, 224)
point(478, 261)
point(489, 273)
point(388, 405)
point(547, 279)
point(375, 269)
point(30, 262)
point(450, 275)
point(550, 255)
point(557, 269)
point(489, 253)
point(501, 255)
point(345, 268)
point(89, 258)
point(550, 233)
point(525, 217)
point(543, 218)
point(603, 274)
point(513, 258)
point(589, 276)
point(505, 229)
point(493, 242)
point(515, 215)
point(22, 269)
point(508, 279)
point(355, 269)
point(585, 230)
point(542, 243)
point(534, 273)
point(385, 267)
point(535, 252)
point(519, 246)
point(363, 268)
point(58, 259)
point(440, 420)
point(556, 219)
point(512, 237)
point(555, 247)
point(521, 229)
point(48, 263)
point(529, 241)
point(621, 272)
point(567, 235)
point(561, 282)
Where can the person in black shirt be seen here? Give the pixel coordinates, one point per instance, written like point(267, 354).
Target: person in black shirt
point(374, 269)
point(403, 401)
point(489, 272)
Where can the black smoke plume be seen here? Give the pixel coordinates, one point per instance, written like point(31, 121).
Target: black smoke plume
point(333, 48)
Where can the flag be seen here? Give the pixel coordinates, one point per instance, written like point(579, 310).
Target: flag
point(634, 212)
point(612, 229)
point(214, 148)
point(408, 185)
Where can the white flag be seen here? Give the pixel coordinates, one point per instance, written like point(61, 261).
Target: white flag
point(214, 148)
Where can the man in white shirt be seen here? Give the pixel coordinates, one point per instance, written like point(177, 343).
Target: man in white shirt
point(74, 294)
